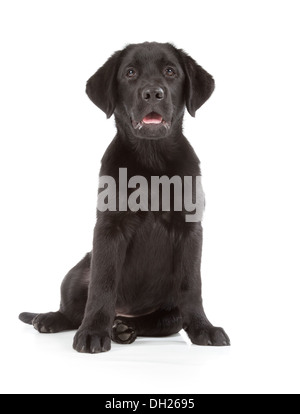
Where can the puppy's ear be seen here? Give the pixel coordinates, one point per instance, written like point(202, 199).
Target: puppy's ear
point(102, 88)
point(199, 84)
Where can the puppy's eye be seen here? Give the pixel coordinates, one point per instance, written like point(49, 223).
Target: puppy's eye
point(170, 72)
point(131, 73)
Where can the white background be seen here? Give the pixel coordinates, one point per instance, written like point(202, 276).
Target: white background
point(247, 137)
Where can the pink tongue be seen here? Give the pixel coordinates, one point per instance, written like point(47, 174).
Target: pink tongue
point(152, 118)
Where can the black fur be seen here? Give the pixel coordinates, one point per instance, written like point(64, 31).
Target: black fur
point(143, 276)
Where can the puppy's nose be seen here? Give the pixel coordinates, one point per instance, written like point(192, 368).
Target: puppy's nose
point(153, 94)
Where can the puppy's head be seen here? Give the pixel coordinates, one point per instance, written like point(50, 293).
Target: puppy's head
point(147, 86)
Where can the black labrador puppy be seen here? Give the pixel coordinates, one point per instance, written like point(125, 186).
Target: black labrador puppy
point(142, 277)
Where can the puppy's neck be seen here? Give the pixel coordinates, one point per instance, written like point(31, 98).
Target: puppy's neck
point(153, 154)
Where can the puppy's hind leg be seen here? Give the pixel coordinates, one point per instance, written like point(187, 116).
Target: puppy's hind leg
point(74, 292)
point(52, 322)
point(157, 324)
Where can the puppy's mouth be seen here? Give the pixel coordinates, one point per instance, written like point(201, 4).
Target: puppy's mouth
point(153, 119)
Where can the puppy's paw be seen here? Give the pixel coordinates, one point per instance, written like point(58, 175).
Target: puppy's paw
point(91, 342)
point(51, 322)
point(122, 333)
point(210, 336)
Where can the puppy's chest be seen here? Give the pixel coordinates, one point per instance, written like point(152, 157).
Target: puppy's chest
point(152, 246)
point(147, 274)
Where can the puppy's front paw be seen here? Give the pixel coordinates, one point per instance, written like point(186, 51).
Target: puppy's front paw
point(210, 336)
point(91, 342)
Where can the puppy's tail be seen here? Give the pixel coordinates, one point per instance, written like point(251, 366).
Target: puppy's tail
point(27, 317)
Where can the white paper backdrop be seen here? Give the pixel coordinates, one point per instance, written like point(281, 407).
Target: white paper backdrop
point(247, 137)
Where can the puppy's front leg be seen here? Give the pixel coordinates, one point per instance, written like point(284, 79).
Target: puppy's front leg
point(109, 248)
point(195, 322)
